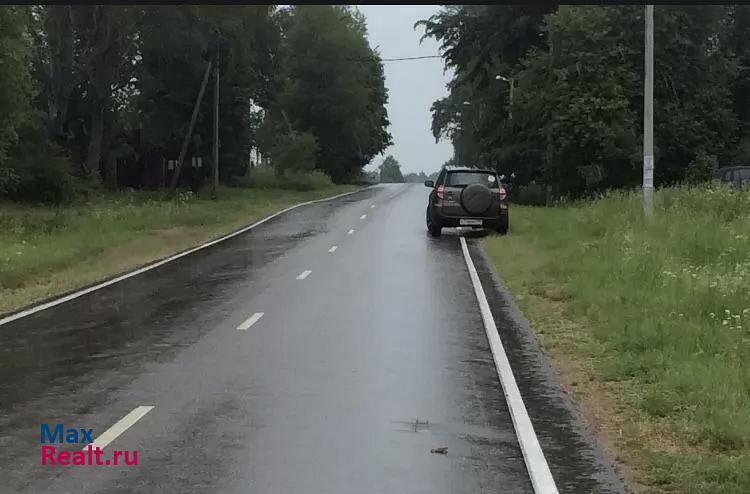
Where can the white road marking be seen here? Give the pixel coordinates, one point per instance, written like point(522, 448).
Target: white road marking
point(250, 321)
point(333, 249)
point(372, 207)
point(79, 293)
point(304, 274)
point(350, 231)
point(121, 426)
point(536, 464)
point(363, 216)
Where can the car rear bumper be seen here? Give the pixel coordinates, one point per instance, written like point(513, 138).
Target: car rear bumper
point(454, 221)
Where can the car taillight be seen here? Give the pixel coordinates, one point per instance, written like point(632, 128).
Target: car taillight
point(440, 191)
point(502, 193)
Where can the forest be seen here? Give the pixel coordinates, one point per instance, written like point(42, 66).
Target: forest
point(114, 96)
point(556, 93)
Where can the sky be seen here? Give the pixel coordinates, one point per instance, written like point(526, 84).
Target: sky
point(412, 85)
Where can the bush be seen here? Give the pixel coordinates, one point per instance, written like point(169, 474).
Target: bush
point(8, 180)
point(294, 152)
point(701, 169)
point(267, 178)
point(532, 194)
point(36, 170)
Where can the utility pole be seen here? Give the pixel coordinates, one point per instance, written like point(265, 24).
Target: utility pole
point(510, 99)
point(215, 179)
point(648, 117)
point(186, 140)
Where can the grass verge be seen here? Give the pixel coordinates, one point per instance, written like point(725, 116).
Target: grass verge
point(648, 325)
point(46, 251)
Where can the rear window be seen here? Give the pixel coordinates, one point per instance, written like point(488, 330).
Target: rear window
point(462, 179)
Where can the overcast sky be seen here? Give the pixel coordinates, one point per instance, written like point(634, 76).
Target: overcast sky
point(412, 84)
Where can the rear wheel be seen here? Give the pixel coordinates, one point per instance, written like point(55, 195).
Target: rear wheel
point(502, 224)
point(433, 226)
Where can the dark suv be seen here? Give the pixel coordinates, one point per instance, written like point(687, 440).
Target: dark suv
point(467, 197)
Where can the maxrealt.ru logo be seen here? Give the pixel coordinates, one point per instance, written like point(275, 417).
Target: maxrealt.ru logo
point(91, 454)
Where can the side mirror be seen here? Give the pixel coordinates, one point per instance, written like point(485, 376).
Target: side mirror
point(429, 183)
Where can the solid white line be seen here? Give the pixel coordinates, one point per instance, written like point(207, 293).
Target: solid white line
point(250, 321)
point(121, 426)
point(333, 249)
point(363, 216)
point(304, 274)
point(536, 464)
point(79, 293)
point(350, 231)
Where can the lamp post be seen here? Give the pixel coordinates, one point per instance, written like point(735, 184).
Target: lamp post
point(510, 81)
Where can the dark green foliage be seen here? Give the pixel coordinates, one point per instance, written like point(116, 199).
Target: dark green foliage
point(576, 122)
point(294, 152)
point(15, 80)
point(332, 86)
point(40, 171)
point(105, 93)
point(701, 169)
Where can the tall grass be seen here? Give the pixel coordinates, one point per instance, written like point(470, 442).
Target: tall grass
point(669, 300)
point(266, 178)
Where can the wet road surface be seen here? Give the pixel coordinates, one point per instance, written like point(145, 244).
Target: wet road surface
point(277, 363)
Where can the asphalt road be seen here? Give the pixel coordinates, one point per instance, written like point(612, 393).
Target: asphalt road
point(350, 366)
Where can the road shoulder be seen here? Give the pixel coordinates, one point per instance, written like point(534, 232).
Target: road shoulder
point(559, 423)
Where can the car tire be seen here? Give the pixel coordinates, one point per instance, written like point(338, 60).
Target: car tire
point(502, 225)
point(433, 227)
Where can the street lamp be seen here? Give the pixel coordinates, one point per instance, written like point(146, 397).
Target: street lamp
point(510, 81)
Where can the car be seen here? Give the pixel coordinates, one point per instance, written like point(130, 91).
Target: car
point(734, 175)
point(467, 197)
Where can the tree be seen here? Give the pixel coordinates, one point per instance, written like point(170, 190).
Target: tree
point(54, 43)
point(15, 80)
point(176, 45)
point(331, 85)
point(390, 170)
point(578, 76)
point(415, 178)
point(106, 51)
point(294, 152)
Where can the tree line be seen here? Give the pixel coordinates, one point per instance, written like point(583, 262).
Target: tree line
point(576, 118)
point(102, 95)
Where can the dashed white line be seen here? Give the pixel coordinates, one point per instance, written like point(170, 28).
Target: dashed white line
point(333, 249)
point(304, 274)
point(363, 216)
point(121, 426)
point(536, 464)
point(372, 207)
point(250, 321)
point(350, 231)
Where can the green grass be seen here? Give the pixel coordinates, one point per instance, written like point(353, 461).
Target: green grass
point(662, 309)
point(45, 250)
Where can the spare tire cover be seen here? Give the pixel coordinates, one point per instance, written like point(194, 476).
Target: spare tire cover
point(476, 198)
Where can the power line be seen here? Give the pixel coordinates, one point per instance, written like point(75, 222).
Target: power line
point(409, 58)
point(375, 59)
